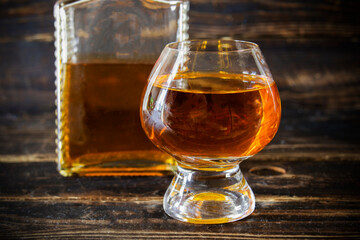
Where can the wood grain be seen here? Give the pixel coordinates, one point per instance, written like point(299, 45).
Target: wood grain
point(306, 180)
point(263, 19)
point(301, 203)
point(295, 34)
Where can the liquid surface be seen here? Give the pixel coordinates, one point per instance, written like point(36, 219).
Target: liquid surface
point(211, 115)
point(100, 118)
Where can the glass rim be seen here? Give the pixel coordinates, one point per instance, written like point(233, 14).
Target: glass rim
point(245, 45)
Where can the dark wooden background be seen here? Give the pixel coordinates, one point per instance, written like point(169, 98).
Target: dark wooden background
point(306, 181)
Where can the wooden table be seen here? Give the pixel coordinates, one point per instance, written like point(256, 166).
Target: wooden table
point(306, 181)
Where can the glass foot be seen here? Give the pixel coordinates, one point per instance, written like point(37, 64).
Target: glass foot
point(208, 197)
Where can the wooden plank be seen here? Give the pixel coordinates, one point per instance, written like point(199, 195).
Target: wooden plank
point(286, 153)
point(244, 19)
point(299, 203)
point(306, 74)
point(256, 20)
point(295, 35)
point(304, 131)
point(37, 220)
point(299, 178)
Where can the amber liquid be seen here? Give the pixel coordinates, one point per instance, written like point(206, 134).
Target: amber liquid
point(212, 116)
point(100, 130)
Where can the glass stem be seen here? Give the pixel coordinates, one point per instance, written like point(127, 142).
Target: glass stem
point(209, 197)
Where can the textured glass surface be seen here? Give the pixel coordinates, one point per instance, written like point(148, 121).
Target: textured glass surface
point(105, 50)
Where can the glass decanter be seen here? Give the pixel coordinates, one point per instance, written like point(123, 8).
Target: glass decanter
point(105, 50)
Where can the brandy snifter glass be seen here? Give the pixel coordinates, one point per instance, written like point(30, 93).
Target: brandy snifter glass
point(210, 104)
